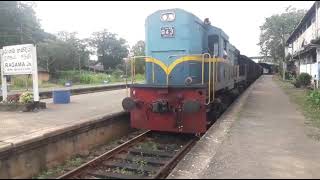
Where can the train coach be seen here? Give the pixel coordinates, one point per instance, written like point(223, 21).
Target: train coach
point(192, 73)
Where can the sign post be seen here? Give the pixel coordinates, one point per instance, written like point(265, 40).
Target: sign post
point(35, 75)
point(3, 80)
point(17, 60)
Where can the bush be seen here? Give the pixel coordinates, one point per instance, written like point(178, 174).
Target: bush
point(26, 97)
point(304, 79)
point(85, 77)
point(13, 99)
point(314, 97)
point(289, 75)
point(296, 83)
point(117, 73)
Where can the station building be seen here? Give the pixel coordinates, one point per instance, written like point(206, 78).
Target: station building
point(303, 45)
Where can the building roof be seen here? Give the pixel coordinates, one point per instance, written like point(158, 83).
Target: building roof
point(305, 18)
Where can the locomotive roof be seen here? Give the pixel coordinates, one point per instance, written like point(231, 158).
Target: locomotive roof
point(211, 30)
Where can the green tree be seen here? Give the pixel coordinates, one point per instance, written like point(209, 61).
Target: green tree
point(139, 50)
point(78, 55)
point(66, 52)
point(110, 50)
point(275, 31)
point(19, 24)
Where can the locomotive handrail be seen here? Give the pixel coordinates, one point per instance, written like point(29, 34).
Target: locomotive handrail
point(209, 75)
point(133, 71)
point(176, 55)
point(202, 78)
point(133, 68)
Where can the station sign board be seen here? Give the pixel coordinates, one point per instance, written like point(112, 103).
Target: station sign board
point(17, 59)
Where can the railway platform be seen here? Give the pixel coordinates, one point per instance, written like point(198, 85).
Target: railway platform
point(261, 135)
point(31, 141)
point(22, 126)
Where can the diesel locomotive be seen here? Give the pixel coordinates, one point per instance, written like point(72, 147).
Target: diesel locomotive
point(192, 73)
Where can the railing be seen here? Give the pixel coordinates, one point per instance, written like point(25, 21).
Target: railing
point(202, 72)
point(213, 71)
point(133, 70)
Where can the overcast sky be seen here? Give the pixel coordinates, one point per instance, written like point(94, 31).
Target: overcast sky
point(239, 19)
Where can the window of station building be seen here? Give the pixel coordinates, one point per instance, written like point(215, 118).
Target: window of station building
point(314, 56)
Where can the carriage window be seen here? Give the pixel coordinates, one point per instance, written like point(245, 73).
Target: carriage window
point(213, 45)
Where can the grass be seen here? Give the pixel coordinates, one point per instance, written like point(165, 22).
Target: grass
point(300, 97)
point(59, 170)
point(149, 145)
point(122, 171)
point(86, 77)
point(22, 82)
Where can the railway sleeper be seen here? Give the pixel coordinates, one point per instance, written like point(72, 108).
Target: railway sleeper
point(151, 153)
point(132, 167)
point(111, 175)
point(148, 160)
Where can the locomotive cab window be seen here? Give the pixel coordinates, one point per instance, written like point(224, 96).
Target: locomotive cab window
point(225, 54)
point(213, 45)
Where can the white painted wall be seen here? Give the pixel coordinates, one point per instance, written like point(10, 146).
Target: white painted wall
point(311, 69)
point(306, 36)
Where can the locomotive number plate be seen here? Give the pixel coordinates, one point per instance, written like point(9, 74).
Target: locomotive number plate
point(167, 31)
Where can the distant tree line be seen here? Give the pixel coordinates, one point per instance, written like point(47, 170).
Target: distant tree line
point(64, 50)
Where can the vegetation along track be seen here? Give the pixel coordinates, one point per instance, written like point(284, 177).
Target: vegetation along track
point(150, 155)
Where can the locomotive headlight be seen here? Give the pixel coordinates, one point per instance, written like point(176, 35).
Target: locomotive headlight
point(170, 16)
point(164, 17)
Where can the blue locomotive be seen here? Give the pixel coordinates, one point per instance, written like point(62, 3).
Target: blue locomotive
point(192, 74)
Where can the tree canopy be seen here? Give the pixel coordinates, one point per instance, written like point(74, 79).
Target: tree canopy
point(275, 31)
point(110, 50)
point(61, 51)
point(139, 50)
point(67, 52)
point(19, 24)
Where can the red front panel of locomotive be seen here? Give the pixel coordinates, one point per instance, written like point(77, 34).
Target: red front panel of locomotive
point(173, 119)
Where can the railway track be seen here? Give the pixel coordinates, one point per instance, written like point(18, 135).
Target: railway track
point(150, 155)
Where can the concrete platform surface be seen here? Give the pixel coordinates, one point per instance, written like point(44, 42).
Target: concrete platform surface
point(11, 92)
point(262, 136)
point(17, 127)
